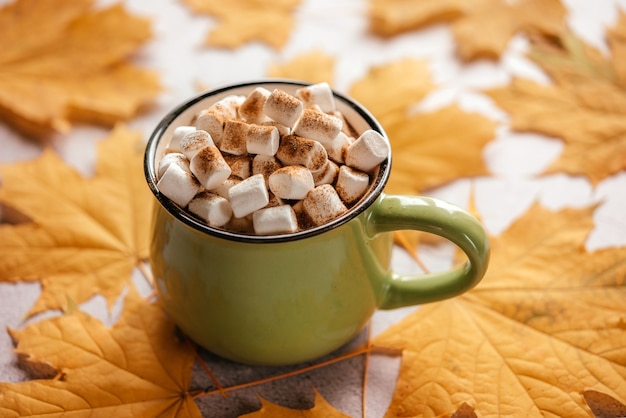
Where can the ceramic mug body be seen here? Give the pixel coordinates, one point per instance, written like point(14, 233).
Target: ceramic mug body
point(290, 298)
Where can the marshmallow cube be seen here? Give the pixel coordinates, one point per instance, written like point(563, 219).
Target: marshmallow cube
point(295, 150)
point(173, 158)
point(222, 189)
point(369, 150)
point(262, 140)
point(323, 204)
point(240, 225)
point(336, 149)
point(234, 137)
point(283, 108)
point(291, 182)
point(213, 123)
point(265, 165)
point(282, 129)
point(213, 209)
point(178, 185)
point(275, 220)
point(319, 94)
point(248, 195)
point(251, 110)
point(193, 142)
point(318, 126)
point(177, 135)
point(240, 165)
point(327, 175)
point(228, 106)
point(209, 167)
point(351, 184)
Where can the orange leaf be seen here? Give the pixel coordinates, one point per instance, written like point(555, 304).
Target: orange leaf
point(482, 28)
point(136, 368)
point(322, 409)
point(242, 21)
point(313, 67)
point(71, 67)
point(86, 235)
point(544, 326)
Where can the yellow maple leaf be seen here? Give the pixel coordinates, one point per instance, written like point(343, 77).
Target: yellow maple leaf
point(544, 326)
point(62, 64)
point(86, 234)
point(313, 67)
point(429, 149)
point(242, 21)
point(322, 409)
point(482, 28)
point(136, 368)
point(585, 107)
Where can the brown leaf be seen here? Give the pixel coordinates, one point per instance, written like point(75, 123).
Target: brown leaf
point(72, 67)
point(242, 21)
point(544, 325)
point(313, 67)
point(603, 405)
point(322, 409)
point(482, 28)
point(86, 234)
point(136, 368)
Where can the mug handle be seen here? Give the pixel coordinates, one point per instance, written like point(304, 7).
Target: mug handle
point(397, 212)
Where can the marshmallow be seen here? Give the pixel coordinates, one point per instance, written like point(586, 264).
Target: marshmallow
point(173, 158)
point(240, 165)
point(213, 123)
point(291, 182)
point(295, 150)
point(336, 149)
point(263, 140)
point(327, 175)
point(265, 165)
point(209, 167)
point(369, 150)
point(248, 195)
point(346, 127)
point(222, 189)
point(323, 204)
point(241, 225)
point(251, 110)
point(282, 129)
point(213, 209)
point(283, 108)
point(177, 135)
point(275, 220)
point(178, 185)
point(193, 142)
point(318, 126)
point(234, 137)
point(319, 94)
point(351, 184)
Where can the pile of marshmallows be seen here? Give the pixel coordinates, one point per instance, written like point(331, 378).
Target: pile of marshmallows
point(270, 162)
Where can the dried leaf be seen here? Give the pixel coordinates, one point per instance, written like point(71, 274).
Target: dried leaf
point(544, 326)
point(313, 67)
point(322, 409)
point(72, 67)
point(585, 107)
point(482, 28)
point(429, 149)
point(242, 21)
point(86, 234)
point(603, 405)
point(136, 368)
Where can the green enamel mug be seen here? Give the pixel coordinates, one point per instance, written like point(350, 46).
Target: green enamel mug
point(285, 299)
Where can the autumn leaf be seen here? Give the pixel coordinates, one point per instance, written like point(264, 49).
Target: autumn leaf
point(313, 67)
point(429, 149)
point(322, 409)
point(242, 21)
point(545, 325)
point(136, 368)
point(86, 234)
point(482, 29)
point(585, 107)
point(63, 64)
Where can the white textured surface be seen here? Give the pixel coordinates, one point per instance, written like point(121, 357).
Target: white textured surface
point(340, 29)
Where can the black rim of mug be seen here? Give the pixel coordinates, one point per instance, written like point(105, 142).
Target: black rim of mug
point(181, 214)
